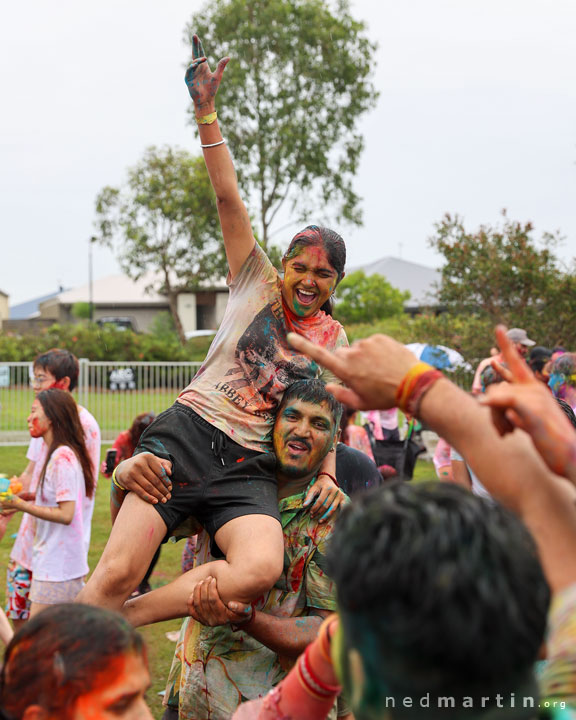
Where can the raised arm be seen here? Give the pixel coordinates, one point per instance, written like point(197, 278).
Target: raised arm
point(509, 467)
point(234, 220)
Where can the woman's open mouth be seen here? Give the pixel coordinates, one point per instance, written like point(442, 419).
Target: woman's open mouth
point(305, 297)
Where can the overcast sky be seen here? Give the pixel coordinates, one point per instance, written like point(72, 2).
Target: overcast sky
point(477, 112)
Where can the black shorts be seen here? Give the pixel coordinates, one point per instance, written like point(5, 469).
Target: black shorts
point(213, 478)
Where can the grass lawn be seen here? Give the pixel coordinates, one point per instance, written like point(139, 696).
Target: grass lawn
point(114, 411)
point(160, 649)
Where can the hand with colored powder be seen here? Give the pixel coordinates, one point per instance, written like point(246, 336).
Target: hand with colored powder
point(147, 476)
point(9, 488)
point(202, 83)
point(525, 403)
point(324, 498)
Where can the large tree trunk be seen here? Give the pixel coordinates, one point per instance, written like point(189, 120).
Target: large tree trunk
point(173, 305)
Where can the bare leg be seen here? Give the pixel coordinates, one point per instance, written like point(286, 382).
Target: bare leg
point(135, 536)
point(6, 631)
point(17, 624)
point(254, 548)
point(35, 608)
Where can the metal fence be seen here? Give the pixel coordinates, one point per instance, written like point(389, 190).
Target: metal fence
point(114, 392)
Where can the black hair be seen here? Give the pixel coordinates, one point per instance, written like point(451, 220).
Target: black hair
point(440, 592)
point(139, 424)
point(567, 411)
point(312, 391)
point(332, 243)
point(61, 363)
point(56, 657)
point(538, 357)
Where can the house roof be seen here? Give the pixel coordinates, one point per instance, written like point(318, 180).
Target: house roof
point(419, 280)
point(30, 308)
point(116, 289)
point(121, 290)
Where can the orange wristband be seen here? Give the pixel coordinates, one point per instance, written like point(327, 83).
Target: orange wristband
point(407, 382)
point(414, 385)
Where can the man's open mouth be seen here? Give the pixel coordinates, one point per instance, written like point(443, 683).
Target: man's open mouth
point(298, 447)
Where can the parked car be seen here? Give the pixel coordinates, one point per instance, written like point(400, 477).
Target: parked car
point(121, 323)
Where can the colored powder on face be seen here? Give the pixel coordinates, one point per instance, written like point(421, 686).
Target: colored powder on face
point(125, 675)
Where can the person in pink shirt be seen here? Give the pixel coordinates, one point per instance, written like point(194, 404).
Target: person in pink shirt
point(354, 435)
point(55, 368)
point(65, 490)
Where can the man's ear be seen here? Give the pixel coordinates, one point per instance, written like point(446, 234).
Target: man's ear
point(35, 712)
point(337, 437)
point(63, 383)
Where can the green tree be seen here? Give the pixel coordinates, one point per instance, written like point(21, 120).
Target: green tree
point(164, 220)
point(502, 273)
point(367, 299)
point(81, 310)
point(298, 82)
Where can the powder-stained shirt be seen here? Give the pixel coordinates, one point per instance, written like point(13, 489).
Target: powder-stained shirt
point(22, 550)
point(558, 679)
point(250, 364)
point(215, 669)
point(59, 552)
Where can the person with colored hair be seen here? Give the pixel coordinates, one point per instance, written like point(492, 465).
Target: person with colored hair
point(562, 380)
point(211, 452)
point(75, 662)
point(63, 503)
point(55, 368)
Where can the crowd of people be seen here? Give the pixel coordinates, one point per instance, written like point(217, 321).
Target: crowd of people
point(318, 581)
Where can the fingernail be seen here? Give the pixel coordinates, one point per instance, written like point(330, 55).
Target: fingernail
point(232, 605)
point(306, 503)
point(163, 500)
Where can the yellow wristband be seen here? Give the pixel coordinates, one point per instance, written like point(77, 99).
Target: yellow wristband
point(207, 119)
point(116, 482)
